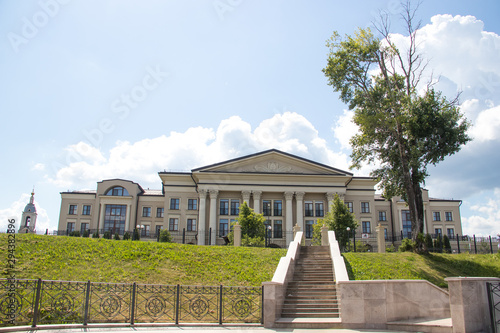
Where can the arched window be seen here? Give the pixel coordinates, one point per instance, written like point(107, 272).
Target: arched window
point(117, 191)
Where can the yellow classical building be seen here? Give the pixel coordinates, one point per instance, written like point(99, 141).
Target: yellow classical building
point(198, 207)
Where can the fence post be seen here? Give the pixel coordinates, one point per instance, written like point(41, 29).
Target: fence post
point(491, 306)
point(262, 306)
point(475, 247)
point(183, 235)
point(87, 302)
point(491, 246)
point(210, 236)
point(458, 244)
point(37, 302)
point(354, 239)
point(220, 303)
point(177, 303)
point(132, 306)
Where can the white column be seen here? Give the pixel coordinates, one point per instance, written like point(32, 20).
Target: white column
point(329, 199)
point(202, 220)
point(100, 223)
point(127, 218)
point(213, 214)
point(299, 196)
point(256, 201)
point(245, 195)
point(288, 217)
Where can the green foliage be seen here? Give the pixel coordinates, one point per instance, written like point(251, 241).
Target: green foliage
point(126, 235)
point(363, 246)
point(95, 234)
point(165, 236)
point(100, 260)
point(316, 238)
point(390, 249)
point(107, 235)
point(438, 244)
point(407, 245)
point(117, 237)
point(338, 219)
point(86, 233)
point(428, 242)
point(399, 127)
point(252, 226)
point(136, 235)
point(75, 234)
point(252, 241)
point(446, 244)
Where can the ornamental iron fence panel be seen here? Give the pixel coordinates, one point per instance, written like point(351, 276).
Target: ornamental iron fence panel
point(38, 302)
point(494, 302)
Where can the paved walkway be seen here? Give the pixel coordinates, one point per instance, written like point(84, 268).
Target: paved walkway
point(197, 329)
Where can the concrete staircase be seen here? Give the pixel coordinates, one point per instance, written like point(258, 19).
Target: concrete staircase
point(311, 297)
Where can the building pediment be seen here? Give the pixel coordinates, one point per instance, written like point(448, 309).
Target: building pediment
point(270, 162)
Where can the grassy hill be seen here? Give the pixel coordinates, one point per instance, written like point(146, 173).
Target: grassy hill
point(102, 260)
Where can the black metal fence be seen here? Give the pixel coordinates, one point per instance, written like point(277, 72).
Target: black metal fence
point(40, 302)
point(494, 303)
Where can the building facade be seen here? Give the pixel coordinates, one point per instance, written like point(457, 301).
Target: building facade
point(198, 207)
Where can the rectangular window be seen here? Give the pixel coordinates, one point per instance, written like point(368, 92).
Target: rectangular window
point(309, 229)
point(173, 224)
point(174, 203)
point(158, 229)
point(448, 216)
point(266, 207)
point(71, 227)
point(308, 208)
point(145, 230)
point(385, 234)
point(146, 211)
point(84, 227)
point(367, 227)
point(382, 216)
point(114, 218)
point(224, 207)
point(192, 204)
point(438, 231)
point(450, 232)
point(350, 206)
point(278, 229)
point(436, 216)
point(235, 207)
point(160, 211)
point(86, 210)
point(405, 218)
point(73, 209)
point(223, 227)
point(319, 209)
point(191, 225)
point(365, 207)
point(278, 208)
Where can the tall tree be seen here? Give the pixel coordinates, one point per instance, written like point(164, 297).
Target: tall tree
point(339, 219)
point(402, 129)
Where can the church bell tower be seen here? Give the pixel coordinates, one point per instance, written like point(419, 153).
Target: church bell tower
point(28, 221)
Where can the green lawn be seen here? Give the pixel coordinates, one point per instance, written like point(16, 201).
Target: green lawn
point(102, 260)
point(432, 267)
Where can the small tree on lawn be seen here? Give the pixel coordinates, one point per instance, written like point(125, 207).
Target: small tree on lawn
point(446, 244)
point(252, 226)
point(338, 219)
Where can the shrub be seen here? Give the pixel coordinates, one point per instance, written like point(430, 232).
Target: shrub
point(136, 235)
point(86, 234)
point(438, 244)
point(95, 234)
point(407, 245)
point(252, 241)
point(126, 236)
point(107, 235)
point(446, 244)
point(75, 234)
point(165, 237)
point(428, 242)
point(117, 237)
point(390, 248)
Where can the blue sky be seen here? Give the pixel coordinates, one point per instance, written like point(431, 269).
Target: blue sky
point(104, 89)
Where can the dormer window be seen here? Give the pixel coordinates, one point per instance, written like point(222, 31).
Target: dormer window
point(117, 191)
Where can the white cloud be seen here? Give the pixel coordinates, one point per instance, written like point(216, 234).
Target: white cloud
point(16, 210)
point(486, 218)
point(345, 128)
point(140, 161)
